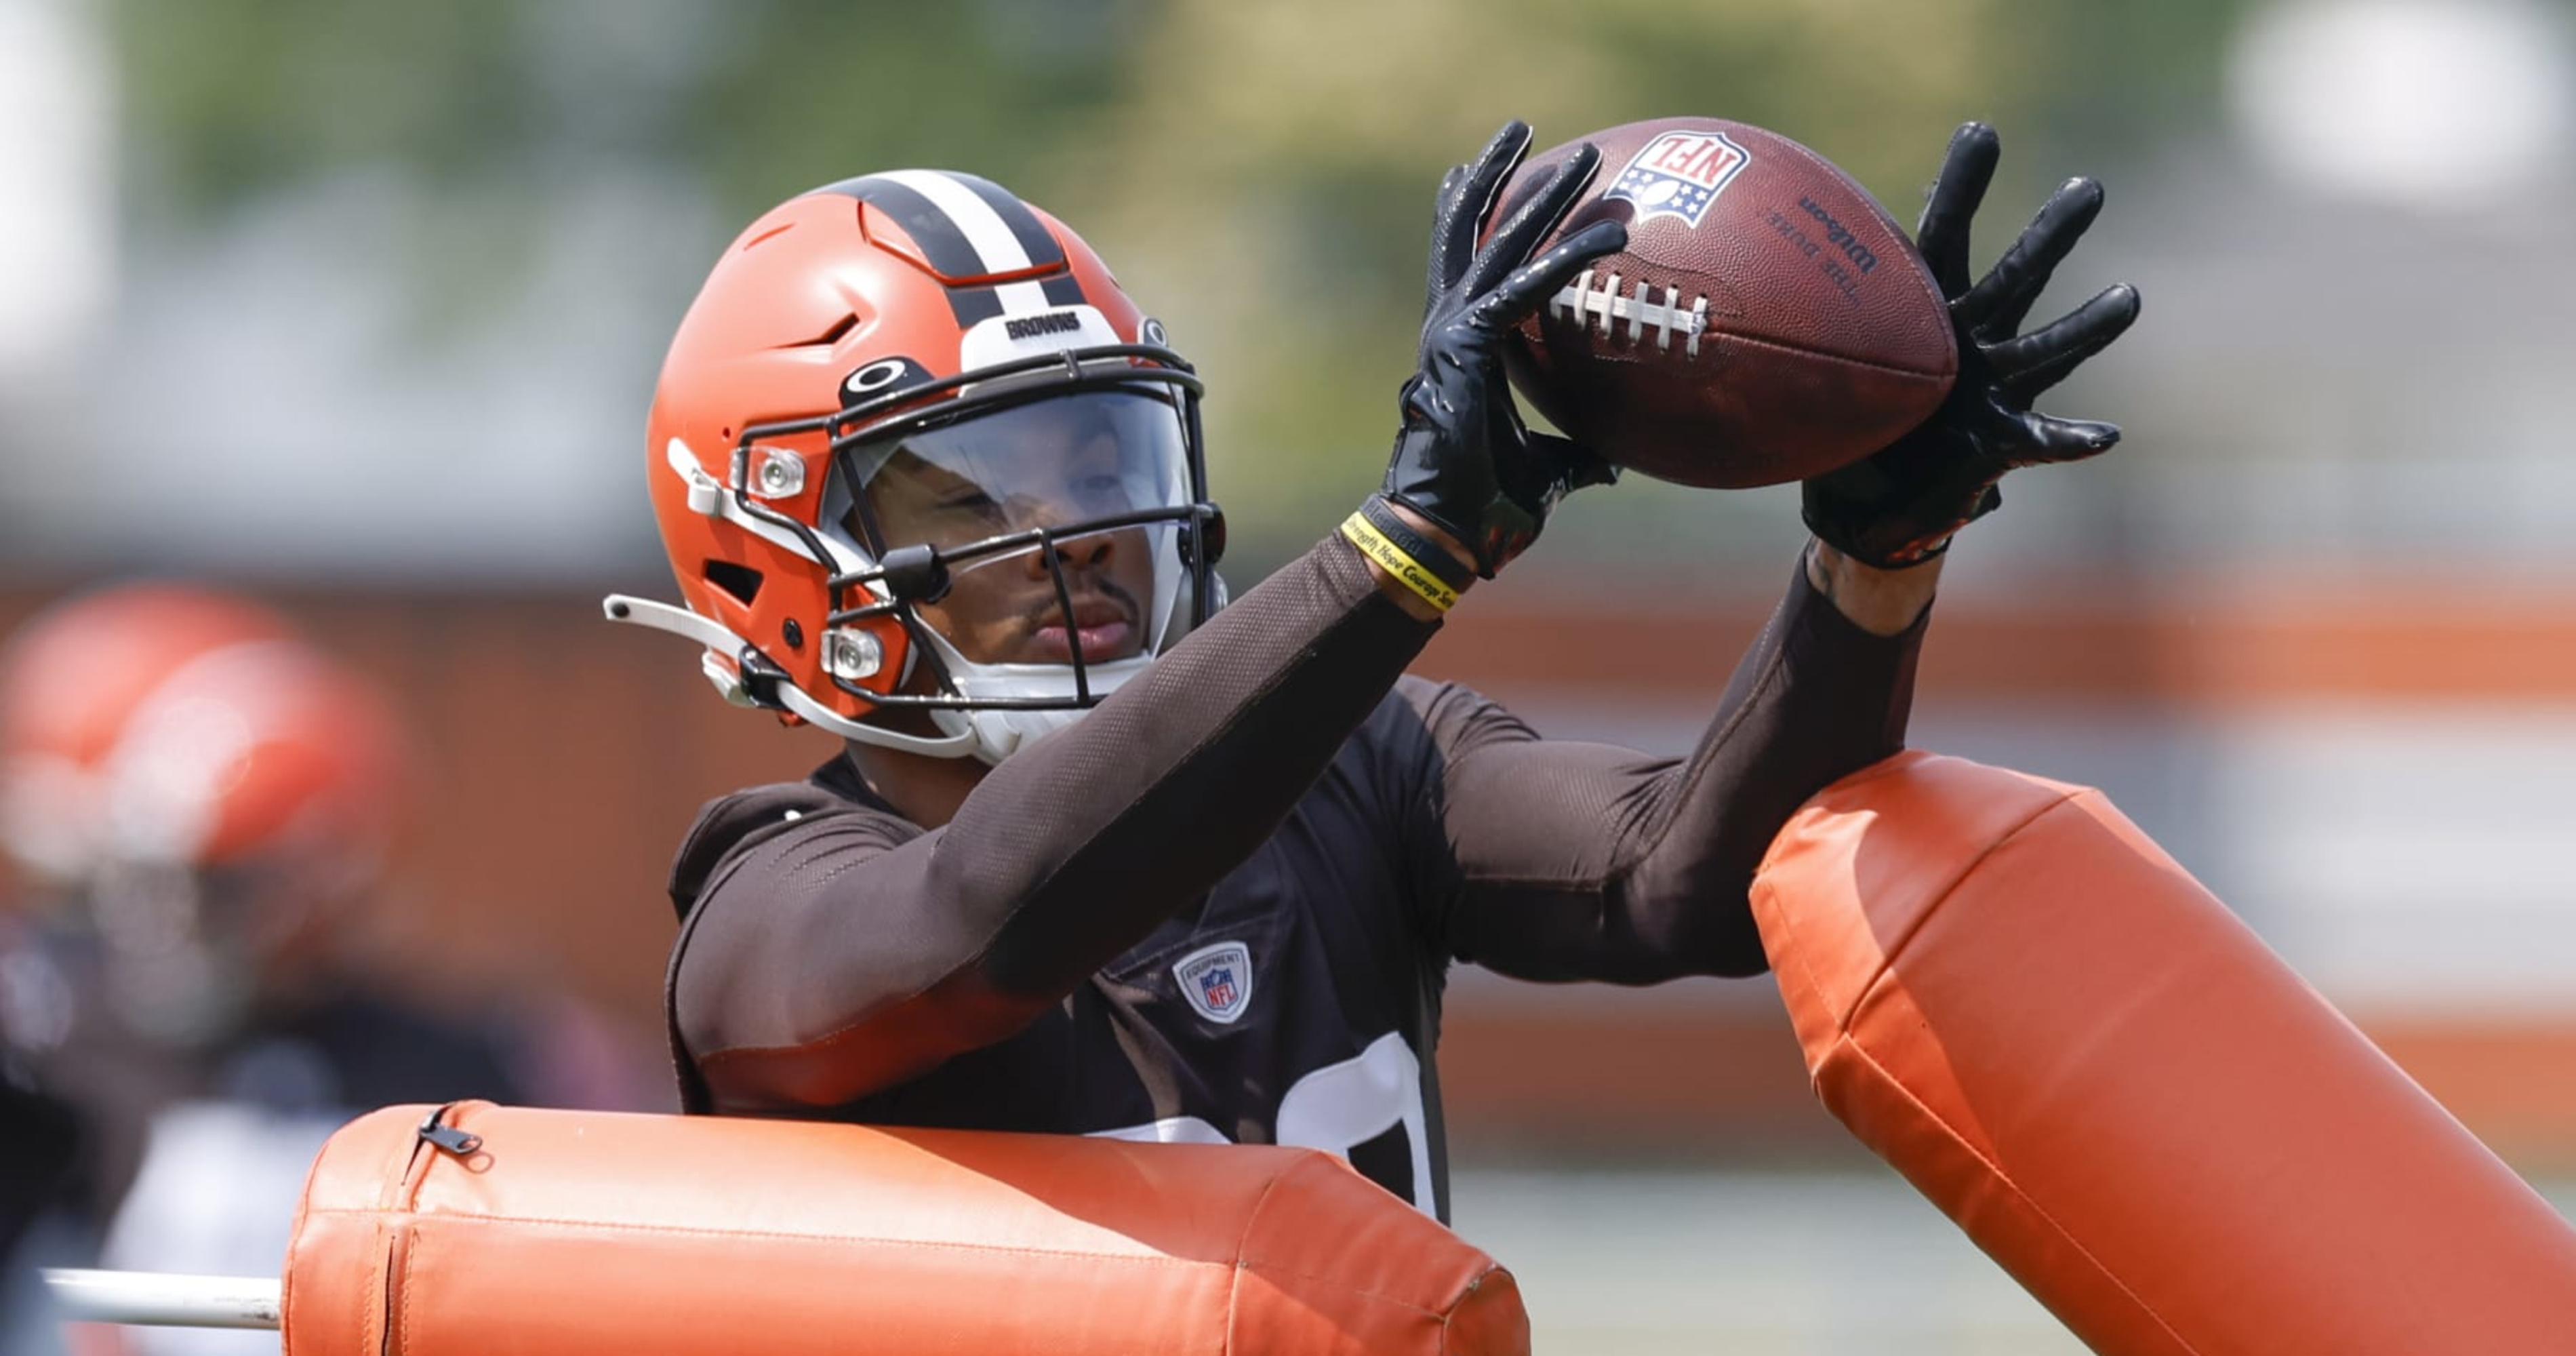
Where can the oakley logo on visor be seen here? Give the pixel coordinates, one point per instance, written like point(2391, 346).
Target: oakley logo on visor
point(881, 376)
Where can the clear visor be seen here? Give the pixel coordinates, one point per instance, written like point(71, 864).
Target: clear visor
point(1082, 469)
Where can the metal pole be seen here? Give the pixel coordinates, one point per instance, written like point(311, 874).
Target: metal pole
point(161, 1299)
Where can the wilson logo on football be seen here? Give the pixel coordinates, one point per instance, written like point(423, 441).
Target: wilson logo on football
point(1679, 174)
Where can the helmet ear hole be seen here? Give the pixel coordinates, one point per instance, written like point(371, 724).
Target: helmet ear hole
point(741, 581)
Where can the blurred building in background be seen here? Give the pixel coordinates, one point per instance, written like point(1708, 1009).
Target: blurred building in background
point(360, 306)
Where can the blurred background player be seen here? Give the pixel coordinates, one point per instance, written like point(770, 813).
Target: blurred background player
point(197, 802)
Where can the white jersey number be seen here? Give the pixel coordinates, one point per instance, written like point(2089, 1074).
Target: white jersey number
point(1336, 1109)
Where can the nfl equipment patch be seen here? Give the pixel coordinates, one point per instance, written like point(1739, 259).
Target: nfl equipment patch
point(1679, 174)
point(1217, 980)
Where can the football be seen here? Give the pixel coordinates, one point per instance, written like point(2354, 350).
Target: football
point(1767, 321)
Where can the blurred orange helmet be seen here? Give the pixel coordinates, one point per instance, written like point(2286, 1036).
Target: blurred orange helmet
point(887, 385)
point(162, 725)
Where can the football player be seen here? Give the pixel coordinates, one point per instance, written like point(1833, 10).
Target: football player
point(197, 800)
point(1105, 854)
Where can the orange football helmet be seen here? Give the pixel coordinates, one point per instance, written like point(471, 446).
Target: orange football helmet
point(192, 783)
point(927, 477)
point(168, 724)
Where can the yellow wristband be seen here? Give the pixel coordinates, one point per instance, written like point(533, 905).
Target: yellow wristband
point(1407, 571)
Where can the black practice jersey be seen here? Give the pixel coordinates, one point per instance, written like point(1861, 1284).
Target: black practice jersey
point(1221, 907)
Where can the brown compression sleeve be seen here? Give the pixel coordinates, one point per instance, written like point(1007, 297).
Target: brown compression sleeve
point(829, 961)
point(1580, 861)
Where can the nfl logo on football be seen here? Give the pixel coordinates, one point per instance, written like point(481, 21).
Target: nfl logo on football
point(1679, 174)
point(1217, 980)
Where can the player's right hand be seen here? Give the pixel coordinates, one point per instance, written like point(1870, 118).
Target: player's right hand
point(1463, 459)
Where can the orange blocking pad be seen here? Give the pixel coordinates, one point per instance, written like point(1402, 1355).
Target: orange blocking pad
point(2040, 1019)
point(572, 1233)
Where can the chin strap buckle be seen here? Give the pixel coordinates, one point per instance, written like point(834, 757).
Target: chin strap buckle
point(760, 679)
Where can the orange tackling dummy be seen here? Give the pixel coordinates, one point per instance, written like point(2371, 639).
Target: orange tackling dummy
point(2084, 1059)
point(506, 1230)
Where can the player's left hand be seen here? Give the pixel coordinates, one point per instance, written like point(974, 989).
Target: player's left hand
point(1901, 505)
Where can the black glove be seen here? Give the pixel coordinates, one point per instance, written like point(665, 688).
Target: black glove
point(1463, 459)
point(1900, 505)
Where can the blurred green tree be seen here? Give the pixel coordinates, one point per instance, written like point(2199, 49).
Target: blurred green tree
point(1259, 173)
